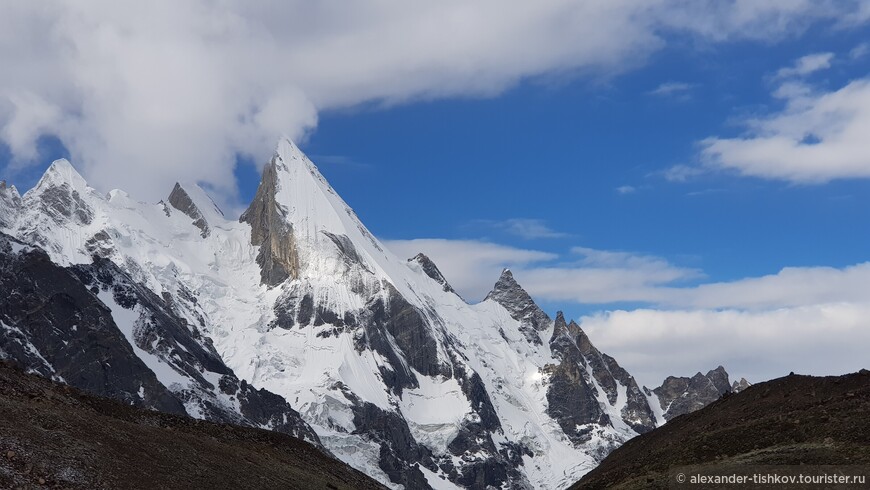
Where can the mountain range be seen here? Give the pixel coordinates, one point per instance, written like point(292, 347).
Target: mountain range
point(295, 318)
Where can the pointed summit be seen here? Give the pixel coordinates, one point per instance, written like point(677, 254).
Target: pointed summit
point(431, 270)
point(302, 225)
point(508, 293)
point(63, 194)
point(195, 203)
point(60, 173)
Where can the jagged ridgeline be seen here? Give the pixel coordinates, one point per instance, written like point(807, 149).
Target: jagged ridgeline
point(296, 318)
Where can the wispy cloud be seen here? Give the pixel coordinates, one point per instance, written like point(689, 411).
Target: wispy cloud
point(672, 89)
point(471, 266)
point(525, 228)
point(585, 275)
point(859, 51)
point(681, 173)
point(807, 64)
point(626, 189)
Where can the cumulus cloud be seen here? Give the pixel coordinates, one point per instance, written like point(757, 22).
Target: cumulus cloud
point(818, 339)
point(812, 320)
point(819, 136)
point(146, 93)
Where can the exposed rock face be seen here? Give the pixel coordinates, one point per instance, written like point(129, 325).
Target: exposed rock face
point(53, 325)
point(573, 394)
point(10, 204)
point(408, 328)
point(431, 270)
point(610, 375)
point(679, 396)
point(399, 452)
point(278, 256)
point(508, 293)
point(180, 200)
point(572, 397)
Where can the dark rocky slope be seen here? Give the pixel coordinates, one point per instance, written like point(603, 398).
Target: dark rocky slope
point(787, 421)
point(53, 323)
point(56, 436)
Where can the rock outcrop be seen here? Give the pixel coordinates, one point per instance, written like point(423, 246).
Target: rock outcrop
point(278, 256)
point(681, 395)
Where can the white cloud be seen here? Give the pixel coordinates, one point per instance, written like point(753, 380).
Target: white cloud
point(791, 287)
point(681, 173)
point(859, 51)
point(672, 88)
point(146, 93)
point(813, 320)
point(817, 137)
point(588, 275)
point(806, 65)
point(818, 339)
point(593, 276)
point(626, 189)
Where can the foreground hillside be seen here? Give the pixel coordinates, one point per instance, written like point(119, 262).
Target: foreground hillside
point(60, 437)
point(787, 421)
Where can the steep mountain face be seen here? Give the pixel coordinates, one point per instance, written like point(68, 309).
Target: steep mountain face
point(92, 327)
point(393, 372)
point(10, 204)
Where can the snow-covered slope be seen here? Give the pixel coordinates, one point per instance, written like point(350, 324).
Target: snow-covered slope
point(397, 374)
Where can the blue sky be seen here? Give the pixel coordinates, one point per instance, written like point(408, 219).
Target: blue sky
point(669, 172)
point(564, 154)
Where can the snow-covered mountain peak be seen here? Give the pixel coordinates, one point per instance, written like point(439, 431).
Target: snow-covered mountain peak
point(60, 173)
point(305, 230)
point(508, 293)
point(63, 196)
